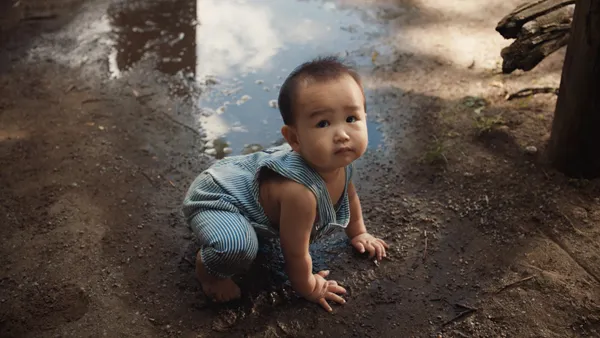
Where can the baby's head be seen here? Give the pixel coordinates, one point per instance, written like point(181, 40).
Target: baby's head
point(322, 104)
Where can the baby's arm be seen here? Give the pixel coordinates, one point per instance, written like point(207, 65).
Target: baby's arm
point(357, 231)
point(298, 207)
point(357, 225)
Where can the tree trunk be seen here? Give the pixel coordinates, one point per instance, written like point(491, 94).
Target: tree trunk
point(574, 146)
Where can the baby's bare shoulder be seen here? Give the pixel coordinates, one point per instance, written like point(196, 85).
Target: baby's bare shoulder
point(297, 207)
point(294, 192)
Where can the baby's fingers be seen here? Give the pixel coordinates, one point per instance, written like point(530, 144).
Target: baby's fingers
point(360, 247)
point(332, 296)
point(372, 249)
point(323, 273)
point(385, 245)
point(379, 250)
point(325, 305)
point(336, 289)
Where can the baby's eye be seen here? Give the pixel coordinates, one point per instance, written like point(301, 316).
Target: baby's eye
point(322, 124)
point(351, 119)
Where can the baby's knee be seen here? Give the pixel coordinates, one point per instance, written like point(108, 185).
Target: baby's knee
point(240, 252)
point(230, 257)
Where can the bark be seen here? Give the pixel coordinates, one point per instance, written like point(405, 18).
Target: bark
point(574, 146)
point(540, 28)
point(510, 26)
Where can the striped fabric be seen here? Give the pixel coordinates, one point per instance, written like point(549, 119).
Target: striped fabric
point(223, 210)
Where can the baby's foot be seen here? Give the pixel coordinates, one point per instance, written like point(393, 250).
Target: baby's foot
point(218, 289)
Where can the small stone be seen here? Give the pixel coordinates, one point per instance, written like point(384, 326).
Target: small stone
point(531, 150)
point(74, 184)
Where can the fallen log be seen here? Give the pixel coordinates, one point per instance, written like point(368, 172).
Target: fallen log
point(540, 28)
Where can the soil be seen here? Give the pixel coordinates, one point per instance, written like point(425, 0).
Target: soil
point(487, 239)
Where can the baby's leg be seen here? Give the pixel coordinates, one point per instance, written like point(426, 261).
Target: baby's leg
point(228, 247)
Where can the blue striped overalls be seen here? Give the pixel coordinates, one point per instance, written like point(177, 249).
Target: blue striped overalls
point(223, 210)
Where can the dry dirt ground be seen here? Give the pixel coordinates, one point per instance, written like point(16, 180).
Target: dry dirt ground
point(487, 240)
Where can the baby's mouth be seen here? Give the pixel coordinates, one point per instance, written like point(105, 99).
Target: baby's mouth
point(344, 150)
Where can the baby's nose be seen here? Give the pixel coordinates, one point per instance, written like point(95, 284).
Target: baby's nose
point(341, 135)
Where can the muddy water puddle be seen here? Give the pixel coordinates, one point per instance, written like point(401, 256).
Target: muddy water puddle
point(237, 53)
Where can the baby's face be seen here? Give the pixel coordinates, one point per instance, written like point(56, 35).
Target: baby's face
point(330, 123)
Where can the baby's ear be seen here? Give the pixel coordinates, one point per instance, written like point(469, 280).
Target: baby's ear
point(291, 137)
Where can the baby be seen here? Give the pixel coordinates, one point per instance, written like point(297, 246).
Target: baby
point(299, 191)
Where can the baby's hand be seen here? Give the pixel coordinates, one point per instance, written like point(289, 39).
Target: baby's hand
point(326, 290)
point(373, 245)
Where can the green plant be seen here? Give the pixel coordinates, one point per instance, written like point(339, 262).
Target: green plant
point(484, 124)
point(435, 153)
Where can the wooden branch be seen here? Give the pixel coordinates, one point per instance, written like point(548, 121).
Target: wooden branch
point(540, 28)
point(528, 51)
point(510, 26)
point(510, 285)
point(532, 91)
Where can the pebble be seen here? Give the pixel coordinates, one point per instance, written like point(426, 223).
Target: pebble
point(531, 150)
point(273, 104)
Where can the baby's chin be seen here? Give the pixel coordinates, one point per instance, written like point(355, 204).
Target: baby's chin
point(343, 161)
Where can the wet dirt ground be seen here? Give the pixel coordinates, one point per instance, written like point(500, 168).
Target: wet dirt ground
point(108, 110)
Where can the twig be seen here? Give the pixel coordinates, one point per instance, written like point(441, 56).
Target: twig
point(71, 87)
point(571, 222)
point(40, 17)
point(460, 316)
point(181, 124)
point(466, 307)
point(445, 159)
point(545, 173)
point(92, 100)
point(460, 334)
point(532, 91)
point(149, 178)
point(425, 251)
point(514, 283)
point(141, 97)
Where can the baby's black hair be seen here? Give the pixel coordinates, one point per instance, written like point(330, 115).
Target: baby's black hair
point(320, 69)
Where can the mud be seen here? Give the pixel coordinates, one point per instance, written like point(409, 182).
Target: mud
point(101, 134)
